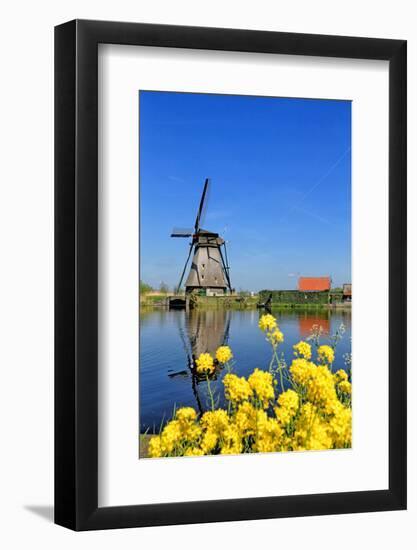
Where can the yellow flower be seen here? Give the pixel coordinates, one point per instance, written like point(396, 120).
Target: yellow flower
point(312, 432)
point(215, 421)
point(154, 448)
point(231, 442)
point(236, 389)
point(325, 354)
point(288, 405)
point(341, 427)
point(316, 414)
point(246, 419)
point(340, 375)
point(185, 415)
point(205, 363)
point(275, 337)
point(208, 442)
point(321, 390)
point(170, 436)
point(268, 434)
point(302, 370)
point(267, 322)
point(194, 451)
point(302, 349)
point(345, 387)
point(261, 383)
point(186, 418)
point(223, 354)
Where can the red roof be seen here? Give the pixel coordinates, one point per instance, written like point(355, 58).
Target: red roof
point(309, 284)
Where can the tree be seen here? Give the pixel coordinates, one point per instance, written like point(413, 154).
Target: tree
point(244, 293)
point(144, 287)
point(163, 288)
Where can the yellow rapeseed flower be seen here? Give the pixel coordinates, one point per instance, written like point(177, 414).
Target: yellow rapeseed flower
point(205, 364)
point(275, 337)
point(341, 427)
point(236, 389)
point(340, 375)
point(311, 431)
point(267, 322)
point(186, 414)
point(268, 434)
point(209, 441)
point(261, 383)
point(288, 405)
point(223, 354)
point(316, 414)
point(154, 447)
point(215, 421)
point(231, 442)
point(302, 370)
point(246, 419)
point(194, 451)
point(325, 354)
point(170, 436)
point(320, 387)
point(302, 349)
point(345, 387)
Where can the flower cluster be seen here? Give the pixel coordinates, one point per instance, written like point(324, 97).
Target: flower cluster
point(205, 364)
point(312, 412)
point(261, 383)
point(288, 403)
point(236, 388)
point(302, 349)
point(325, 355)
point(267, 323)
point(224, 354)
point(275, 337)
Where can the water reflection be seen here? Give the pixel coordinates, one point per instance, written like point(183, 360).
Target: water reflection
point(201, 332)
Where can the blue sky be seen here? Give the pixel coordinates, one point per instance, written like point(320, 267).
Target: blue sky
point(280, 195)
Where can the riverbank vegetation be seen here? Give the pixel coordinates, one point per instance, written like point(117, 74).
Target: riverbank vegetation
point(295, 406)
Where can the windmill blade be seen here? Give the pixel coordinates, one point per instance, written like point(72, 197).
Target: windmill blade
point(185, 267)
point(226, 268)
point(181, 232)
point(201, 208)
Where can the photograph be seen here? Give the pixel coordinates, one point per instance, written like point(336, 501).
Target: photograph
point(245, 274)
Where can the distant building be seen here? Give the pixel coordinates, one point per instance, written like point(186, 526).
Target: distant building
point(347, 292)
point(314, 284)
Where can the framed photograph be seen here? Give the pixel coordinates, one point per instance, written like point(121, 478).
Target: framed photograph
point(230, 253)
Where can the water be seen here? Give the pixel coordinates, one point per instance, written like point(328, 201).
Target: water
point(170, 339)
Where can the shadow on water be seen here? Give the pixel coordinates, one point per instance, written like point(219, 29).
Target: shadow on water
point(170, 341)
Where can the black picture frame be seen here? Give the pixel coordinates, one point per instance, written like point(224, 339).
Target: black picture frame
point(76, 272)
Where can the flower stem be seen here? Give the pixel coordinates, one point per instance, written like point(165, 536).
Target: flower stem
point(210, 393)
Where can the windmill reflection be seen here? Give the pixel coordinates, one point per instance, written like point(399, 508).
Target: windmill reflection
point(201, 331)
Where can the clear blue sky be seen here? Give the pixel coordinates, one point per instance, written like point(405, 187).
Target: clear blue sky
point(280, 172)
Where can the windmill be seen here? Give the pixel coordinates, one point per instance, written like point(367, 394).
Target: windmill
point(209, 271)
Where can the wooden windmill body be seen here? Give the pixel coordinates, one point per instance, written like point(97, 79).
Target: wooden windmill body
point(209, 271)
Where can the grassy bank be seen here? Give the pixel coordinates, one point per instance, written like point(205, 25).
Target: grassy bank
point(277, 306)
point(144, 445)
point(237, 302)
point(153, 300)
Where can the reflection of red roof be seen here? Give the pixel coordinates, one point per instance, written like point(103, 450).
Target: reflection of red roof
point(306, 325)
point(308, 284)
